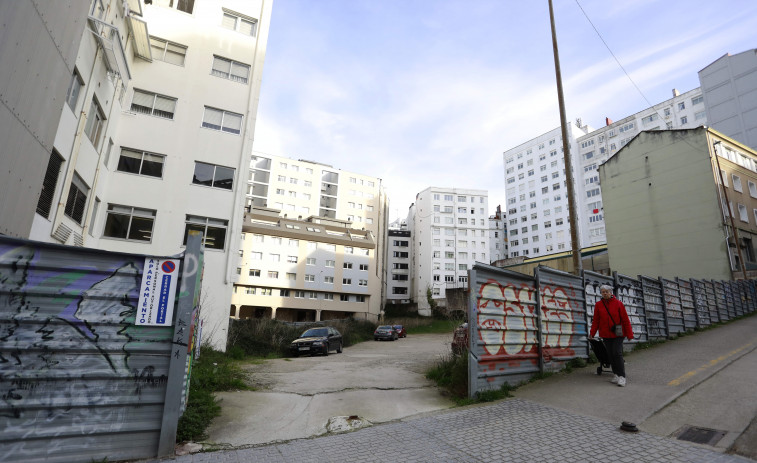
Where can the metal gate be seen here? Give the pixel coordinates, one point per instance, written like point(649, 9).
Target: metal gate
point(592, 282)
point(630, 293)
point(687, 304)
point(673, 309)
point(80, 380)
point(701, 302)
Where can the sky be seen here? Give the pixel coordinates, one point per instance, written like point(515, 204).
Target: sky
point(423, 93)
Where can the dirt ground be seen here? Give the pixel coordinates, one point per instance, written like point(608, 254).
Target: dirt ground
point(377, 381)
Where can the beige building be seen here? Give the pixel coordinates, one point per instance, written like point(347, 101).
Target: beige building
point(312, 244)
point(665, 205)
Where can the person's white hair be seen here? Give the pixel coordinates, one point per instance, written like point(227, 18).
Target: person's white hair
point(607, 287)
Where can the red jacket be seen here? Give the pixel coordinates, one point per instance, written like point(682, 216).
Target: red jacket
point(602, 320)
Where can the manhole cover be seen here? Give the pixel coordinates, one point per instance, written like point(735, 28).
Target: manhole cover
point(700, 435)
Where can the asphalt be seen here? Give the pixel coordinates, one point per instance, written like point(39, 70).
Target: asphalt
point(705, 380)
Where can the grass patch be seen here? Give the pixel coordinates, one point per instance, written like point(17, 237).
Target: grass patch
point(433, 326)
point(213, 372)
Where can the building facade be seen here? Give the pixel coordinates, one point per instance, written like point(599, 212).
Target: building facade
point(450, 232)
point(536, 193)
point(729, 86)
point(399, 279)
point(313, 242)
point(673, 200)
point(497, 236)
point(154, 135)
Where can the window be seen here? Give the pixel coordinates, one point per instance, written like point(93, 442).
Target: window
point(275, 257)
point(170, 52)
point(684, 120)
point(129, 223)
point(224, 121)
point(736, 182)
point(681, 106)
point(239, 22)
point(697, 100)
point(213, 176)
point(344, 297)
point(72, 96)
point(328, 280)
point(362, 283)
point(752, 189)
point(229, 69)
point(346, 281)
point(329, 263)
point(95, 123)
point(449, 278)
point(77, 199)
point(213, 231)
point(743, 216)
point(700, 115)
point(256, 255)
point(558, 221)
point(153, 104)
point(347, 265)
point(309, 277)
point(292, 259)
point(140, 163)
point(254, 272)
point(49, 183)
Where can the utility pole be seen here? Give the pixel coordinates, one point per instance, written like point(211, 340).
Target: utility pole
point(572, 219)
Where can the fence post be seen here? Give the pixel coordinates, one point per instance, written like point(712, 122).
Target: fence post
point(191, 281)
point(664, 307)
point(586, 312)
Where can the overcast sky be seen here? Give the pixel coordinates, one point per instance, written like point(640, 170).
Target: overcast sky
point(431, 92)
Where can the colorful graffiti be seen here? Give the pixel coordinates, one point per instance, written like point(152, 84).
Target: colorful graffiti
point(506, 319)
point(72, 363)
point(558, 325)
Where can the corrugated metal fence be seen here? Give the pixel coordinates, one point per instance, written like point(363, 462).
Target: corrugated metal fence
point(80, 381)
point(521, 325)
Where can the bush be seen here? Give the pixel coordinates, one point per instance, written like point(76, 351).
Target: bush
point(213, 372)
point(451, 373)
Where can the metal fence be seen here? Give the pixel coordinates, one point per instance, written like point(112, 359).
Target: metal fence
point(522, 325)
point(81, 380)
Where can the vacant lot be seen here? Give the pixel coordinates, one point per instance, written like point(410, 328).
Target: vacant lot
point(378, 381)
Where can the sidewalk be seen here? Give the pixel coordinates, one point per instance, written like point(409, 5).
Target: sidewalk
point(704, 380)
point(513, 430)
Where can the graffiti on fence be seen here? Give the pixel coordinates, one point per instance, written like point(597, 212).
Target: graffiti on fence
point(558, 326)
point(506, 319)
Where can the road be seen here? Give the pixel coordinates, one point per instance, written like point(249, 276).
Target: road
point(378, 381)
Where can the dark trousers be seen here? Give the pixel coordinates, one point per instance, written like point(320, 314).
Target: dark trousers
point(614, 348)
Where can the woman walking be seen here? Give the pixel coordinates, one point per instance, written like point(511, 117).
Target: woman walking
point(612, 321)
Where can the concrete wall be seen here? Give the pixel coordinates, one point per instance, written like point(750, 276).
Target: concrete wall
point(32, 95)
point(661, 207)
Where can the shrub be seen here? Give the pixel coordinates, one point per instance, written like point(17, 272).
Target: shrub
point(451, 373)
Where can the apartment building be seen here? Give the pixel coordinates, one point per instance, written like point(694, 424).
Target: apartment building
point(728, 85)
point(313, 242)
point(398, 279)
point(152, 136)
point(683, 111)
point(536, 193)
point(497, 236)
point(682, 203)
point(450, 232)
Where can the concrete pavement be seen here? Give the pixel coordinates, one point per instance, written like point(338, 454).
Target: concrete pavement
point(703, 380)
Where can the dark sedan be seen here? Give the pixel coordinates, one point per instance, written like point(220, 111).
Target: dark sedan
point(317, 341)
point(385, 332)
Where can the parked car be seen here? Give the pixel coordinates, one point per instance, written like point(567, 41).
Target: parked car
point(319, 340)
point(460, 339)
point(401, 332)
point(385, 332)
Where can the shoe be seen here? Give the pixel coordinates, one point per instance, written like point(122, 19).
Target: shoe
point(621, 381)
point(614, 379)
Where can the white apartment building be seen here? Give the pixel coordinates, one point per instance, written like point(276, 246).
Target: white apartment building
point(497, 236)
point(314, 241)
point(398, 279)
point(450, 232)
point(536, 193)
point(153, 134)
point(683, 111)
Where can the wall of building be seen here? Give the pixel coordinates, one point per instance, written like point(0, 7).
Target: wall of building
point(729, 86)
point(662, 210)
point(398, 280)
point(32, 95)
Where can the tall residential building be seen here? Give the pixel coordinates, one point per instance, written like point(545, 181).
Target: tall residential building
point(497, 236)
point(153, 136)
point(450, 232)
point(536, 193)
point(729, 86)
point(398, 279)
point(541, 205)
point(313, 242)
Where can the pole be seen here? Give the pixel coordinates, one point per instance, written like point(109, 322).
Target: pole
point(576, 247)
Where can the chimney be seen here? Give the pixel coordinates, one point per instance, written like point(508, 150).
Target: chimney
point(608, 121)
point(676, 92)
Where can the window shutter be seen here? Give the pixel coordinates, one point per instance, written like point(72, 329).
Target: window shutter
point(212, 118)
point(247, 27)
point(175, 54)
point(232, 123)
point(221, 66)
point(48, 185)
point(240, 72)
point(166, 106)
point(229, 21)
